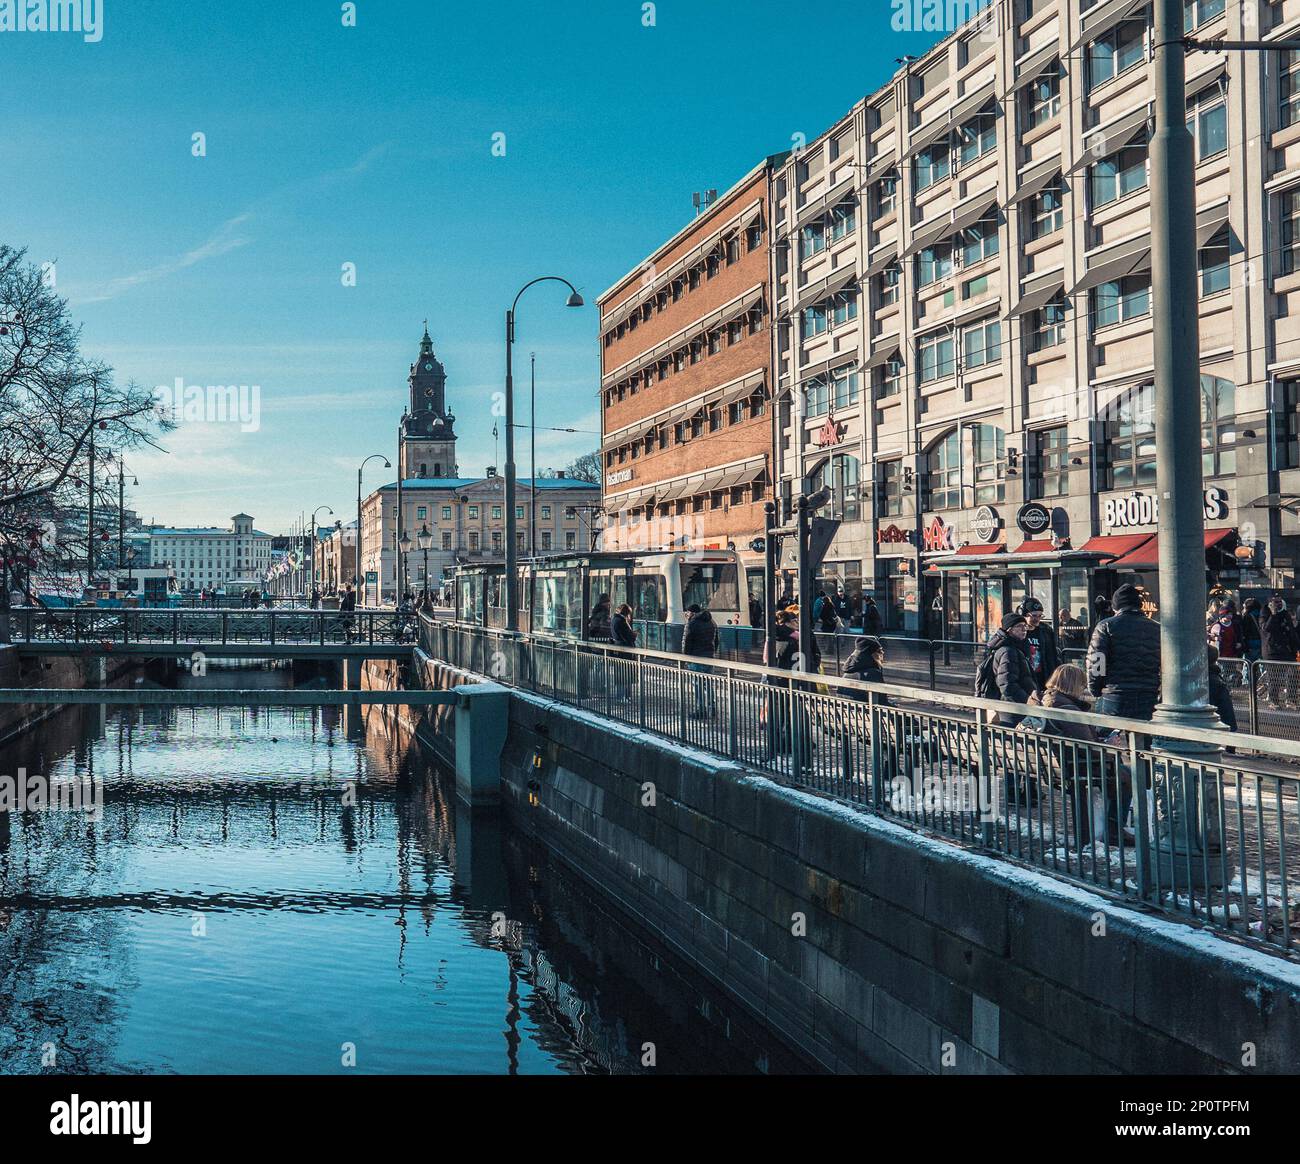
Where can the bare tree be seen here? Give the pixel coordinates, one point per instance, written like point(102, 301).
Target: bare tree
point(54, 404)
point(585, 468)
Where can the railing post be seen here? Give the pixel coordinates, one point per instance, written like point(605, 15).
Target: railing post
point(796, 738)
point(934, 677)
point(640, 683)
point(876, 720)
point(225, 626)
point(988, 790)
point(273, 626)
point(1252, 679)
point(733, 743)
point(1142, 842)
point(681, 699)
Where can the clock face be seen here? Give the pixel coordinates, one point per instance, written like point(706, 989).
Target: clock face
point(428, 367)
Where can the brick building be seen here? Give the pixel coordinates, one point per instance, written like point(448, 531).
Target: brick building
point(685, 382)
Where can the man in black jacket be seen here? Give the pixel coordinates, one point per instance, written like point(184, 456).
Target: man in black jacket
point(1040, 642)
point(700, 639)
point(1124, 659)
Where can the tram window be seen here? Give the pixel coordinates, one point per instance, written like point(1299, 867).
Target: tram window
point(650, 601)
point(712, 585)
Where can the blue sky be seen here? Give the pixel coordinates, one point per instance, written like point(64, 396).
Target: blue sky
point(372, 145)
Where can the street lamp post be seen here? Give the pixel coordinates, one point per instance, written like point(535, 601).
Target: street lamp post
point(361, 573)
point(424, 539)
point(512, 550)
point(403, 548)
point(532, 427)
point(314, 512)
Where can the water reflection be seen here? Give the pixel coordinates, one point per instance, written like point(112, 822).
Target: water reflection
point(268, 891)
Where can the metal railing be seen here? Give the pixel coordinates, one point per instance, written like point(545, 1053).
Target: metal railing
point(1266, 694)
point(170, 626)
point(1211, 838)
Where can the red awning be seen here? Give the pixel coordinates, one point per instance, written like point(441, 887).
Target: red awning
point(1116, 545)
point(1147, 556)
point(1034, 548)
point(981, 551)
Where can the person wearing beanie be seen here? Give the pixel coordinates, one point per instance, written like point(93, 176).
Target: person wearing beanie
point(1004, 672)
point(1040, 642)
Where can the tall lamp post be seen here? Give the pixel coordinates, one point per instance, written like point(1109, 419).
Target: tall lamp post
point(512, 549)
point(403, 548)
point(361, 570)
point(312, 584)
point(424, 539)
point(532, 429)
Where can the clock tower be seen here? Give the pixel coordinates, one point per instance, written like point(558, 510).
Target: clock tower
point(428, 444)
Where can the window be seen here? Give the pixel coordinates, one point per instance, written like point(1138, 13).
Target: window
point(519, 513)
point(473, 540)
point(1051, 446)
point(753, 238)
point(733, 250)
point(843, 221)
point(978, 136)
point(1116, 51)
point(933, 165)
point(1289, 207)
point(1130, 441)
point(937, 356)
point(844, 307)
point(1197, 12)
point(496, 513)
point(943, 469)
point(1121, 300)
point(1207, 122)
point(885, 193)
point(446, 513)
point(842, 474)
point(934, 264)
point(815, 320)
point(496, 541)
point(889, 494)
point(570, 539)
point(1212, 259)
point(982, 343)
point(1218, 427)
point(1289, 88)
point(889, 378)
point(1043, 97)
point(989, 454)
point(1120, 174)
point(446, 539)
point(887, 285)
point(1047, 326)
point(1046, 213)
point(812, 240)
point(421, 512)
point(473, 511)
point(546, 540)
point(979, 242)
point(1287, 431)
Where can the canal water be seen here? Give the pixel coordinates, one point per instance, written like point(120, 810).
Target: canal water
point(286, 891)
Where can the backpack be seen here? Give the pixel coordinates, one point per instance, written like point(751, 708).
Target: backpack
point(985, 684)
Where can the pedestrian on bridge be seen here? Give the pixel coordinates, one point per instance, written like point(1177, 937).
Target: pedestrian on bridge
point(622, 633)
point(598, 622)
point(1040, 642)
point(700, 641)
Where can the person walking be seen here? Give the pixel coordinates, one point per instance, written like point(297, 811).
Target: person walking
point(315, 598)
point(872, 622)
point(622, 633)
point(1252, 630)
point(825, 616)
point(347, 607)
point(1220, 695)
point(866, 663)
point(700, 641)
point(1071, 633)
point(1040, 643)
point(755, 611)
point(1280, 647)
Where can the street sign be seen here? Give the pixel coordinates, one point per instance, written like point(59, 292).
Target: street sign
point(372, 576)
point(820, 536)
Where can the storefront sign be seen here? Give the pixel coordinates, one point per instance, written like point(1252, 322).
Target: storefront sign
point(831, 433)
point(1132, 509)
point(891, 535)
point(618, 476)
point(1032, 519)
point(986, 524)
point(937, 536)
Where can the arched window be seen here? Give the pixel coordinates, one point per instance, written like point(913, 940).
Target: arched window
point(842, 473)
point(989, 457)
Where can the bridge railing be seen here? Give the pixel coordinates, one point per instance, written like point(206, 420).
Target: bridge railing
point(1210, 836)
point(90, 626)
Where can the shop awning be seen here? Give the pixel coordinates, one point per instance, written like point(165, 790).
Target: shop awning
point(833, 284)
point(1147, 555)
point(1035, 180)
point(1109, 139)
point(1038, 293)
point(1125, 259)
point(1040, 547)
point(971, 557)
point(1209, 222)
point(968, 214)
point(1115, 545)
point(1036, 64)
point(882, 355)
point(826, 202)
point(1104, 17)
point(880, 262)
